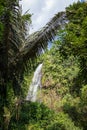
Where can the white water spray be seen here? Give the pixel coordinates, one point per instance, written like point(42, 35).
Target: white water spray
point(35, 85)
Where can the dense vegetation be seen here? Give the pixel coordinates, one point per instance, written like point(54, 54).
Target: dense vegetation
point(64, 81)
point(65, 67)
point(12, 36)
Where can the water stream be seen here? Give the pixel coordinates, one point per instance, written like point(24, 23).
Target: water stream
point(35, 85)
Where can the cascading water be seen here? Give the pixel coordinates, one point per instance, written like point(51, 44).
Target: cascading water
point(35, 85)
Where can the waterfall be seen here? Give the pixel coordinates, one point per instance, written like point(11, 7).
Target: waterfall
point(35, 85)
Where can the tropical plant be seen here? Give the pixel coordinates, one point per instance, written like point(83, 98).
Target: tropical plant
point(16, 50)
point(74, 41)
point(36, 116)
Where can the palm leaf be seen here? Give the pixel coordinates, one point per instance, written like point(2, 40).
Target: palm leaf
point(13, 40)
point(39, 39)
point(36, 42)
point(18, 49)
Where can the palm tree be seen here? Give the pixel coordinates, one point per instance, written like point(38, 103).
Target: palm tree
point(16, 49)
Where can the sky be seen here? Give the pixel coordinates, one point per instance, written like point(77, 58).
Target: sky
point(43, 10)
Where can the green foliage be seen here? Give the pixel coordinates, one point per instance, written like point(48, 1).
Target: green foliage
point(27, 17)
point(26, 21)
point(84, 94)
point(36, 116)
point(75, 41)
point(30, 114)
point(63, 122)
point(12, 36)
point(58, 72)
point(65, 67)
point(65, 75)
point(59, 75)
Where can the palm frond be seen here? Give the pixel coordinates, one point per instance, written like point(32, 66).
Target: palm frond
point(19, 49)
point(38, 41)
point(13, 41)
point(17, 31)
